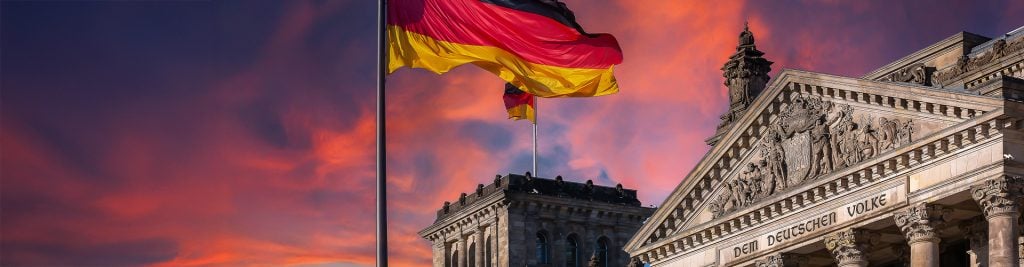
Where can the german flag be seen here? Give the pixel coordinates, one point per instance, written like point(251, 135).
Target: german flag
point(535, 45)
point(519, 104)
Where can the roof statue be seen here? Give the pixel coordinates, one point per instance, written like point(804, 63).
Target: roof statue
point(746, 75)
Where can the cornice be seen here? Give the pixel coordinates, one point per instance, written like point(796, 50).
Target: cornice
point(955, 105)
point(575, 203)
point(463, 214)
point(892, 164)
point(927, 53)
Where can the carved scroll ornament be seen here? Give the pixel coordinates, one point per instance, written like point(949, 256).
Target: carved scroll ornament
point(782, 260)
point(999, 196)
point(811, 138)
point(920, 222)
point(966, 63)
point(915, 73)
point(849, 246)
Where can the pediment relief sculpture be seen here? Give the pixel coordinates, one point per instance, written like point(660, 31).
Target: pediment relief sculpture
point(968, 63)
point(811, 138)
point(916, 73)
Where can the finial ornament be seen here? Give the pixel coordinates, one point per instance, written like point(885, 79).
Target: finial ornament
point(746, 37)
point(746, 75)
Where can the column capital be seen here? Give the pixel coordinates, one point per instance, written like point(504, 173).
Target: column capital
point(782, 260)
point(849, 246)
point(999, 196)
point(976, 232)
point(1020, 248)
point(902, 252)
point(920, 222)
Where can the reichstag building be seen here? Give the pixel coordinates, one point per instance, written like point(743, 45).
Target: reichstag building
point(917, 163)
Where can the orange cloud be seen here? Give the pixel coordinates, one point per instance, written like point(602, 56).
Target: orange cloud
point(267, 158)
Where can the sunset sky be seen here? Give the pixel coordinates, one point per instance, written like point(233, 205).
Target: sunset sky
point(186, 133)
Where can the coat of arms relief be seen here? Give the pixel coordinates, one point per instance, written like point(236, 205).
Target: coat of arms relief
point(811, 137)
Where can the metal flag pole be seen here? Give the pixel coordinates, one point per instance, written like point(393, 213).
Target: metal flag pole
point(536, 117)
point(382, 203)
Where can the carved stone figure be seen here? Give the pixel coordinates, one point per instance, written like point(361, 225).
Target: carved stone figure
point(810, 118)
point(746, 75)
point(846, 145)
point(915, 73)
point(967, 63)
point(774, 157)
point(811, 138)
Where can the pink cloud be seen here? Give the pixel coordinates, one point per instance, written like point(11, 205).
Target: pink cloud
point(273, 162)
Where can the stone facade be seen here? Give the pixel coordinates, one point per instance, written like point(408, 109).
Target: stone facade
point(918, 163)
point(519, 220)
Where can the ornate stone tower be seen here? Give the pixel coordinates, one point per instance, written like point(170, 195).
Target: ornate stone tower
point(746, 74)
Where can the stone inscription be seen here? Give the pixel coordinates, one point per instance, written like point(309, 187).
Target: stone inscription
point(800, 229)
point(814, 224)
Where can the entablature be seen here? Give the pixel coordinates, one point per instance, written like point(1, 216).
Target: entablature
point(690, 197)
point(480, 213)
point(892, 164)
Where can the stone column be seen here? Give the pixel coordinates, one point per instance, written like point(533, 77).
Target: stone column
point(438, 252)
point(902, 253)
point(782, 260)
point(976, 232)
point(919, 223)
point(849, 247)
point(463, 253)
point(481, 246)
point(495, 247)
point(1020, 250)
point(999, 199)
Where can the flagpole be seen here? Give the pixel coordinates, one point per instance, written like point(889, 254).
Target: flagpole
point(382, 206)
point(536, 117)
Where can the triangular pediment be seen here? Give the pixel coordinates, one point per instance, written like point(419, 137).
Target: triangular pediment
point(804, 126)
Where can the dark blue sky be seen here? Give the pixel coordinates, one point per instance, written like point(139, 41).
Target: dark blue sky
point(193, 132)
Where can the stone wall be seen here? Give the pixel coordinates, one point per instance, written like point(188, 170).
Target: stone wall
point(515, 208)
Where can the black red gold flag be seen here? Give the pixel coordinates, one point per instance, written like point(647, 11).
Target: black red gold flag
point(519, 104)
point(535, 45)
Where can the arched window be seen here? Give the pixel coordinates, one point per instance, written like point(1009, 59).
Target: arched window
point(455, 259)
point(572, 251)
point(471, 260)
point(602, 251)
point(488, 253)
point(542, 248)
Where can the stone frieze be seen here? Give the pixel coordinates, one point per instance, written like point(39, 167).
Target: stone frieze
point(915, 73)
point(966, 63)
point(811, 138)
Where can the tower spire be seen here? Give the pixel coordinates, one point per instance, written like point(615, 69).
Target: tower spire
point(746, 75)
